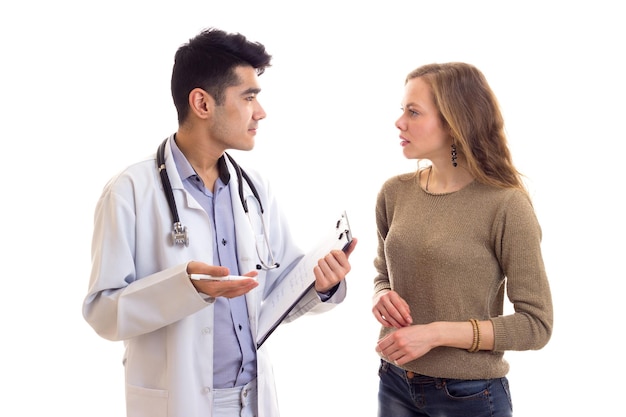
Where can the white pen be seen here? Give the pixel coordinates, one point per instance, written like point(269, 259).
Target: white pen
point(200, 277)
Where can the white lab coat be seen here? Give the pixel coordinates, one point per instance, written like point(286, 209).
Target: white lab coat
point(139, 291)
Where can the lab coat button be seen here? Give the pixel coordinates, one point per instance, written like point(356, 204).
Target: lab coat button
point(206, 331)
point(206, 390)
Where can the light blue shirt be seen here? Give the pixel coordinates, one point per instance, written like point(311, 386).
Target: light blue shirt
point(234, 357)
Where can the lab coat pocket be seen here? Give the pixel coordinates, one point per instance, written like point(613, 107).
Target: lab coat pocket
point(144, 402)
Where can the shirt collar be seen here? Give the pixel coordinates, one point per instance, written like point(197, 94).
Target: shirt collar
point(185, 170)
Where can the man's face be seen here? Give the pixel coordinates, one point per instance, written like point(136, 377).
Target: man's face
point(234, 124)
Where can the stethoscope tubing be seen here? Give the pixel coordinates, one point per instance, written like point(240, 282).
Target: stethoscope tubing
point(179, 233)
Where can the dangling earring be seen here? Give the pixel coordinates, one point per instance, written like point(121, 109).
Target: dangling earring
point(453, 153)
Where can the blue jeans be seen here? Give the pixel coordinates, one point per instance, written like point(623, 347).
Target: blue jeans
point(415, 395)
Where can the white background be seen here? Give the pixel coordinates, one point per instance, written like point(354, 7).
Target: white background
point(84, 90)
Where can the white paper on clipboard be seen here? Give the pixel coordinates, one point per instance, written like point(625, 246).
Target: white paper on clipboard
point(300, 279)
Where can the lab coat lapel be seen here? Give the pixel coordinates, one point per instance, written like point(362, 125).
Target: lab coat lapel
point(246, 248)
point(175, 181)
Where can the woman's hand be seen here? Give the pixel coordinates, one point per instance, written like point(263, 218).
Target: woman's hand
point(391, 310)
point(407, 344)
point(412, 342)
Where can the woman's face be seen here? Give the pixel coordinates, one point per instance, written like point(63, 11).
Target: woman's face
point(422, 134)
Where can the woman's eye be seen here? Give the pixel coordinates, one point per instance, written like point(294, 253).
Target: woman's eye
point(410, 112)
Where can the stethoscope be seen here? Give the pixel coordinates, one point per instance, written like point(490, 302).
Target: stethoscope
point(179, 232)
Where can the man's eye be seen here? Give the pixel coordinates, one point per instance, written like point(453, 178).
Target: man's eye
point(250, 98)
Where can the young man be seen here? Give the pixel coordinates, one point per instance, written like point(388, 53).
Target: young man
point(191, 344)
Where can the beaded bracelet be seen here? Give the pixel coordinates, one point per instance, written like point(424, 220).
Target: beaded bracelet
point(476, 342)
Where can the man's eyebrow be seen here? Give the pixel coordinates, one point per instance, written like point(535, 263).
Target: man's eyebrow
point(251, 91)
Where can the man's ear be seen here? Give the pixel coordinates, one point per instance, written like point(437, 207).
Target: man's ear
point(201, 103)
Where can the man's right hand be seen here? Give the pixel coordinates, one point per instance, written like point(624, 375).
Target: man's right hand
point(228, 289)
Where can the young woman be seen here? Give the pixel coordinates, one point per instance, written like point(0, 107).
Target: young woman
point(454, 238)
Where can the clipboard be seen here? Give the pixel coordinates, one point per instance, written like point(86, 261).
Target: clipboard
point(299, 281)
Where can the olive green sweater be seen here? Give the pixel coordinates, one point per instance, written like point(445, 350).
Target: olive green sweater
point(455, 256)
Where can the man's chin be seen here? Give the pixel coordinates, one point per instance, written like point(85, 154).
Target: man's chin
point(248, 146)
point(240, 148)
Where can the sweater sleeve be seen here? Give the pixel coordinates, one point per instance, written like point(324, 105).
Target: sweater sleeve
point(381, 281)
point(517, 239)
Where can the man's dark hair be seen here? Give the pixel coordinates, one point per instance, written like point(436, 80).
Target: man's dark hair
point(208, 61)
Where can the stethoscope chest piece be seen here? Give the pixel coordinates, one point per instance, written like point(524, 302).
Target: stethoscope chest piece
point(179, 234)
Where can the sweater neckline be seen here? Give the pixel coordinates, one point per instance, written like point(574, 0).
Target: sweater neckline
point(425, 191)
